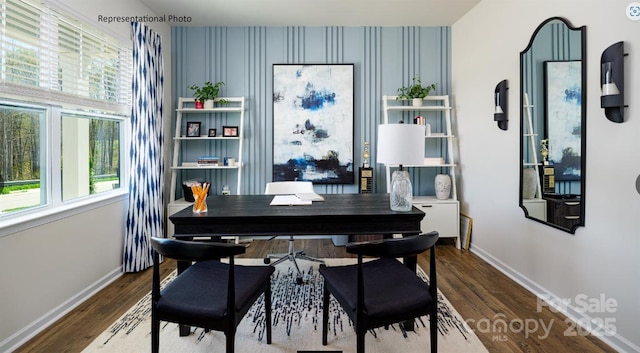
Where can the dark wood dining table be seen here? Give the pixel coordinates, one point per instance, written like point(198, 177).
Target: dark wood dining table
point(338, 214)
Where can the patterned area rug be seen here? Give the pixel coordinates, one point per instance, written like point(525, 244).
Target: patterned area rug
point(297, 324)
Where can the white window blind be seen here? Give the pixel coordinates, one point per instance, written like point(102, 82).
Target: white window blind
point(49, 55)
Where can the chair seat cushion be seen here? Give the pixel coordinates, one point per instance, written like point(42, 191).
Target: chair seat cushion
point(200, 292)
point(383, 279)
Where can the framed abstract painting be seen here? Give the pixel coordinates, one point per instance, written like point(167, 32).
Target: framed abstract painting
point(313, 123)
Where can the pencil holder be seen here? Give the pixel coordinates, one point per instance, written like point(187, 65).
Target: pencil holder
point(200, 197)
point(200, 205)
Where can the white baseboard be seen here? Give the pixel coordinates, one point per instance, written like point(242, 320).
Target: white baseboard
point(19, 338)
point(615, 341)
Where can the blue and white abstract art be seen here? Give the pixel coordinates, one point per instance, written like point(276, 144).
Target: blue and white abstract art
point(313, 123)
point(563, 100)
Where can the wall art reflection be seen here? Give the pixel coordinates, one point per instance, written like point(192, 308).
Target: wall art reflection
point(563, 102)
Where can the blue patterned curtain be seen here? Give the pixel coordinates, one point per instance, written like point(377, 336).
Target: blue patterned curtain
point(146, 181)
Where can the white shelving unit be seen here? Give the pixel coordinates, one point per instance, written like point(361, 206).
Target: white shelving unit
point(234, 106)
point(440, 215)
point(530, 136)
point(537, 206)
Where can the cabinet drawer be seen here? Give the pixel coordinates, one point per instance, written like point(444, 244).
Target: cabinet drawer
point(441, 217)
point(571, 208)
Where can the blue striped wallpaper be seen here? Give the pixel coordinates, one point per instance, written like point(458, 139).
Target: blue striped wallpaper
point(385, 58)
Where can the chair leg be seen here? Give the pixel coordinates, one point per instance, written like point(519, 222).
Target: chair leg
point(360, 340)
point(230, 337)
point(295, 264)
point(267, 313)
point(155, 335)
point(433, 327)
point(303, 256)
point(292, 255)
point(325, 314)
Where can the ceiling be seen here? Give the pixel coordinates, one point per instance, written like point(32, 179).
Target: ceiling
point(313, 12)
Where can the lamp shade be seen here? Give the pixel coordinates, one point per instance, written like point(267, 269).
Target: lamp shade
point(401, 144)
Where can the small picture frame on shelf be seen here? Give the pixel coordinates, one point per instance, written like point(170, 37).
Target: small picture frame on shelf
point(193, 129)
point(212, 132)
point(230, 131)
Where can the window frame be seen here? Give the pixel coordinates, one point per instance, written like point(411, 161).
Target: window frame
point(54, 208)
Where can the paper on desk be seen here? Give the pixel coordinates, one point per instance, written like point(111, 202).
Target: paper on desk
point(309, 196)
point(288, 200)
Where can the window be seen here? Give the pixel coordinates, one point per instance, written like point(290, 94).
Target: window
point(22, 158)
point(90, 155)
point(65, 89)
point(89, 158)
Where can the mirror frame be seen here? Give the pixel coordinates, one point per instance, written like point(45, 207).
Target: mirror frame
point(583, 127)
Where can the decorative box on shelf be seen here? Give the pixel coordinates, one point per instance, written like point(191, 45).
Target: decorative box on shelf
point(434, 161)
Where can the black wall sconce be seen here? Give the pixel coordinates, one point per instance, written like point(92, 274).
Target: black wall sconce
point(500, 102)
point(612, 82)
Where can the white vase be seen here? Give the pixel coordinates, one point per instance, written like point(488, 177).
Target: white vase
point(529, 183)
point(442, 186)
point(208, 104)
point(416, 102)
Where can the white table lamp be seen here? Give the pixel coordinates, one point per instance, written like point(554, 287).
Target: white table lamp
point(398, 145)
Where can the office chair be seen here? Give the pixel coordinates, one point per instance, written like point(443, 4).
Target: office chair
point(208, 294)
point(383, 291)
point(289, 188)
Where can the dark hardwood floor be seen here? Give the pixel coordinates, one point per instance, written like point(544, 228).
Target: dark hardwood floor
point(480, 293)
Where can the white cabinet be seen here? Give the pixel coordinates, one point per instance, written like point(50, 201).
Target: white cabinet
point(537, 208)
point(229, 115)
point(440, 215)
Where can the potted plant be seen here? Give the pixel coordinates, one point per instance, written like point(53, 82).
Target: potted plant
point(205, 95)
point(416, 92)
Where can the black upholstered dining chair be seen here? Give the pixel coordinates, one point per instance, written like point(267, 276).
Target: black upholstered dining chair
point(383, 291)
point(209, 293)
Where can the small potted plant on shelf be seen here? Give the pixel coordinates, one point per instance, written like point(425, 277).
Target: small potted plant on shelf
point(205, 95)
point(416, 92)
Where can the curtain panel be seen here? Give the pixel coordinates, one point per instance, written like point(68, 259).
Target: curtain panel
point(146, 196)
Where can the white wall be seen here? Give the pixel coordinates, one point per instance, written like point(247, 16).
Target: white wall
point(46, 270)
point(601, 258)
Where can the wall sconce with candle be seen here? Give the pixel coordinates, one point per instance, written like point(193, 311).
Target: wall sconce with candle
point(612, 82)
point(500, 102)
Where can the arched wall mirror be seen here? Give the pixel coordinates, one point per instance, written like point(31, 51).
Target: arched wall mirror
point(553, 125)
